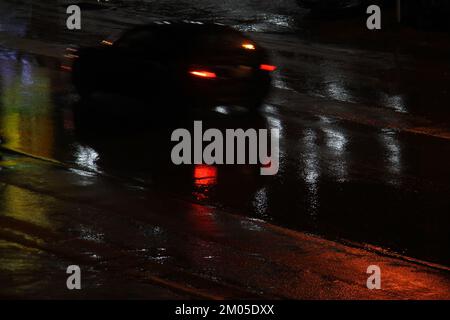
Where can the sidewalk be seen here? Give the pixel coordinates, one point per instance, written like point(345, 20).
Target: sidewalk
point(132, 242)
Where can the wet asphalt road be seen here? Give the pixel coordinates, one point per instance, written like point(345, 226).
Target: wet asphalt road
point(364, 132)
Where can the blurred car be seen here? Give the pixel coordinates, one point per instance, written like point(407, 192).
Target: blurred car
point(183, 62)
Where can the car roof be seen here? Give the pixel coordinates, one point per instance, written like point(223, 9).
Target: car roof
point(183, 37)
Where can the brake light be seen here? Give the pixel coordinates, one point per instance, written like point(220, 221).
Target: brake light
point(267, 67)
point(248, 46)
point(203, 74)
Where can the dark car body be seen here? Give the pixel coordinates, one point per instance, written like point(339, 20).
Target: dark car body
point(182, 62)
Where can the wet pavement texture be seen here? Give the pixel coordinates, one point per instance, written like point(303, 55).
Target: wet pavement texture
point(134, 242)
point(364, 134)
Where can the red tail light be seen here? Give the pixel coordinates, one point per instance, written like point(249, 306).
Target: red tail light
point(203, 74)
point(267, 67)
point(205, 175)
